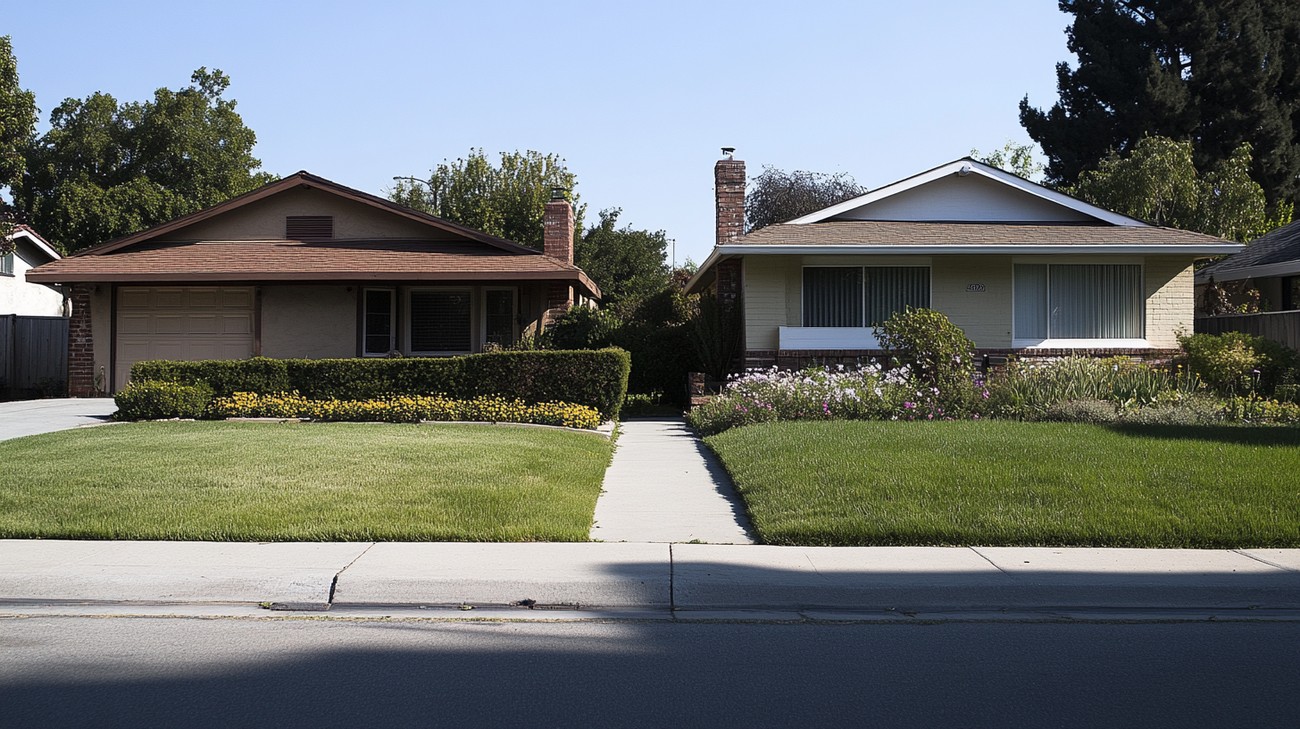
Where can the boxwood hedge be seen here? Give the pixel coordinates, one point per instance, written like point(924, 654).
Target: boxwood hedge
point(595, 378)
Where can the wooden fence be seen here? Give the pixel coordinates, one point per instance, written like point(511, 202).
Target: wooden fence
point(1280, 326)
point(33, 355)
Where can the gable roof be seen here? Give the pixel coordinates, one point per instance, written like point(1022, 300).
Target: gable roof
point(1276, 253)
point(303, 179)
point(147, 257)
point(844, 229)
point(39, 243)
point(964, 167)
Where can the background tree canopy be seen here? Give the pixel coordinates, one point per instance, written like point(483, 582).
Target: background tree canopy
point(106, 169)
point(629, 265)
point(1217, 74)
point(777, 196)
point(508, 201)
point(17, 126)
point(1159, 183)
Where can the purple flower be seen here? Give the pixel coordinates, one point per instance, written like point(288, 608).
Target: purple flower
point(909, 405)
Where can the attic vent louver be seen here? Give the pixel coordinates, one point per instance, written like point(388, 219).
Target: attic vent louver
point(304, 227)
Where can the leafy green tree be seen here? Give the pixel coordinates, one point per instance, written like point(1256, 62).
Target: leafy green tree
point(106, 169)
point(506, 200)
point(1219, 73)
point(627, 264)
point(17, 126)
point(1018, 159)
point(1158, 182)
point(776, 196)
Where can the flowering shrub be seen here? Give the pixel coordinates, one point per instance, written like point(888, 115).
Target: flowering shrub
point(1234, 362)
point(816, 393)
point(404, 409)
point(937, 352)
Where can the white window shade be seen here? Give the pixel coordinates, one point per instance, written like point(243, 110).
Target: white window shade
point(1078, 302)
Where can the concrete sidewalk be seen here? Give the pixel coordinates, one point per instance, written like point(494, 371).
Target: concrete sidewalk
point(664, 485)
point(33, 417)
point(668, 579)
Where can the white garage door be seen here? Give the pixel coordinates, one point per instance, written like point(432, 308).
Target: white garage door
point(182, 323)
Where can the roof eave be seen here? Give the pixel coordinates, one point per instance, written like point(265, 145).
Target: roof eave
point(1200, 249)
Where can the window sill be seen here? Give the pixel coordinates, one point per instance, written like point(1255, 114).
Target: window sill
point(1080, 344)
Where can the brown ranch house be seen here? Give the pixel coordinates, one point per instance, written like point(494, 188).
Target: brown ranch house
point(1021, 268)
point(305, 267)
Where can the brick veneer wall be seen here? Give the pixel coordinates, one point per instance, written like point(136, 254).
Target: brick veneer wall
point(81, 344)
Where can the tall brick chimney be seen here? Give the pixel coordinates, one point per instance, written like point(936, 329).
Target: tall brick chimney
point(557, 242)
point(729, 194)
point(557, 225)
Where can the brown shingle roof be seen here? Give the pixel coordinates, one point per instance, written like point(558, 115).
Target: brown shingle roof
point(291, 260)
point(906, 233)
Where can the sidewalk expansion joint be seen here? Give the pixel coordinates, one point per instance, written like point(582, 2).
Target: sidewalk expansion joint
point(986, 559)
point(1265, 561)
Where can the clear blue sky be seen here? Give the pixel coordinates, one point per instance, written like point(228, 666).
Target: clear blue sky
point(637, 97)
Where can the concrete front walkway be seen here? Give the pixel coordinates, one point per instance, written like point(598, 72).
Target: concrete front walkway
point(665, 486)
point(31, 417)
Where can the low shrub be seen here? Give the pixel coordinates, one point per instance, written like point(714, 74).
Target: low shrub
point(160, 400)
point(597, 379)
point(404, 409)
point(1235, 362)
point(937, 352)
point(1081, 411)
point(1254, 409)
point(647, 404)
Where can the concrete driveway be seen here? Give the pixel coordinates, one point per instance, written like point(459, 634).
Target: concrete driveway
point(30, 417)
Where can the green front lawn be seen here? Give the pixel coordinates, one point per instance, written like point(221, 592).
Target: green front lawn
point(1013, 483)
point(281, 482)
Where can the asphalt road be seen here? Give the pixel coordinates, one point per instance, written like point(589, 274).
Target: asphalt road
point(149, 672)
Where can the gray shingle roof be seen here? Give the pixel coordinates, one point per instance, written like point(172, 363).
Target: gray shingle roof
point(1279, 246)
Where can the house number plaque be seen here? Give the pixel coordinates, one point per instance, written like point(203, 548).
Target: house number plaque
point(975, 288)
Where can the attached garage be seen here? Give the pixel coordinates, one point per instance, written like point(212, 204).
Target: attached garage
point(183, 323)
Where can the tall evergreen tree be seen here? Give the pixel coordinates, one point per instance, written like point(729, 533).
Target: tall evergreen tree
point(1217, 73)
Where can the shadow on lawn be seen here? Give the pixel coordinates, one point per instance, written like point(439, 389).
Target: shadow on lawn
point(1261, 435)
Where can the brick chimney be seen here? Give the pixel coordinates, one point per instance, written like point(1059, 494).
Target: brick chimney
point(729, 193)
point(557, 225)
point(557, 242)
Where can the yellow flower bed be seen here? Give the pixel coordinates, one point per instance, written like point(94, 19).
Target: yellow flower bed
point(405, 409)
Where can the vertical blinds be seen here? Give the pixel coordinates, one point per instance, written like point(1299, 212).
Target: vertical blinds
point(1085, 301)
point(855, 296)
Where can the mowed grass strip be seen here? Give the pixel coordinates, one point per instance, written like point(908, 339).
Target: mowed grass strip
point(309, 482)
point(1010, 483)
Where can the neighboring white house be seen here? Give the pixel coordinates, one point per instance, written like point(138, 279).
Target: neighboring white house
point(17, 296)
point(1023, 269)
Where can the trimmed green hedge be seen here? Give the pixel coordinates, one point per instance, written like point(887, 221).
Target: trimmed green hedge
point(594, 378)
point(161, 400)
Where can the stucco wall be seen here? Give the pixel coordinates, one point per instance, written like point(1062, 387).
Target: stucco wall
point(27, 299)
point(264, 220)
point(774, 285)
point(309, 321)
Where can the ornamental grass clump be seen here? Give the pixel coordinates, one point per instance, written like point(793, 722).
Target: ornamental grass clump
point(1033, 390)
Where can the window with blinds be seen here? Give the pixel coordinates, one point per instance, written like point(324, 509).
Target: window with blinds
point(1078, 301)
point(861, 296)
point(440, 322)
